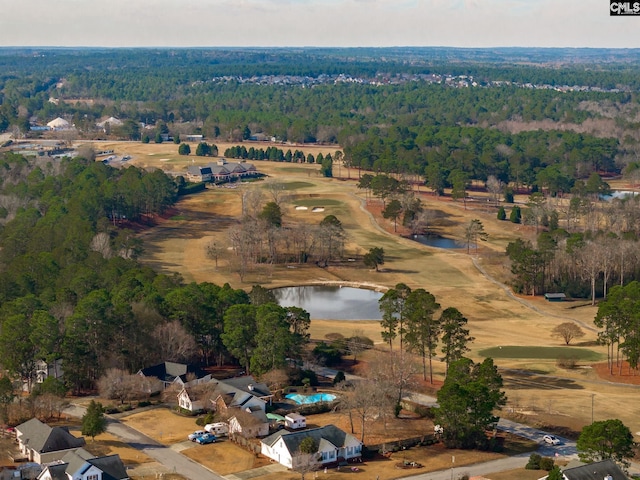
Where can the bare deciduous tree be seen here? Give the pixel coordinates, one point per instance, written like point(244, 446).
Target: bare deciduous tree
point(101, 243)
point(567, 331)
point(495, 187)
point(121, 385)
point(174, 343)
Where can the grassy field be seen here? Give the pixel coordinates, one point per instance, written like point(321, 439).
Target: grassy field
point(472, 283)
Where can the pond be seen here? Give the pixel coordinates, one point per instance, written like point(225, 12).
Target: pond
point(436, 241)
point(309, 399)
point(332, 302)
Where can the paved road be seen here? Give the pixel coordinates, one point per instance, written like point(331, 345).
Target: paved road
point(484, 468)
point(170, 459)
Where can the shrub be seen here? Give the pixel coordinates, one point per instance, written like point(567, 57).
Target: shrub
point(546, 463)
point(534, 462)
point(567, 363)
point(143, 403)
point(112, 410)
point(339, 378)
point(208, 418)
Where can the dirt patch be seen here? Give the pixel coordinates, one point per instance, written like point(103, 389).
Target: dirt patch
point(621, 374)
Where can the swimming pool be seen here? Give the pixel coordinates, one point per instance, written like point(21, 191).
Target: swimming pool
point(309, 399)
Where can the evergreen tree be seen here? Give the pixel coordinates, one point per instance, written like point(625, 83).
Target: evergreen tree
point(516, 215)
point(93, 422)
point(184, 149)
point(502, 214)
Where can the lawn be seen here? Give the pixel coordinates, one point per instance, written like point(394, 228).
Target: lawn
point(162, 425)
point(541, 353)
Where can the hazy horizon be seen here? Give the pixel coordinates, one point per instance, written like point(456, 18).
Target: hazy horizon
point(318, 23)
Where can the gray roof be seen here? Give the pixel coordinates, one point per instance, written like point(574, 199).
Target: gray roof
point(292, 440)
point(233, 397)
point(58, 472)
point(76, 460)
point(250, 385)
point(595, 471)
point(111, 466)
point(42, 438)
point(197, 170)
point(218, 169)
point(79, 461)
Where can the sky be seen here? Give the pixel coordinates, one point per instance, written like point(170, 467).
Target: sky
point(321, 23)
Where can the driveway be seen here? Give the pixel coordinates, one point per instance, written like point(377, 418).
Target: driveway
point(170, 459)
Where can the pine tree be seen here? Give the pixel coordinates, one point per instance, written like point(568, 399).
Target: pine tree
point(93, 422)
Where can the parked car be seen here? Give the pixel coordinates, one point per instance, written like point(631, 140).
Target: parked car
point(551, 440)
point(206, 438)
point(196, 434)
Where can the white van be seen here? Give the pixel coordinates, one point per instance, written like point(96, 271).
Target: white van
point(218, 429)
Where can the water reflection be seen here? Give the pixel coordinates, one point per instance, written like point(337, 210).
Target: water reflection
point(436, 241)
point(328, 302)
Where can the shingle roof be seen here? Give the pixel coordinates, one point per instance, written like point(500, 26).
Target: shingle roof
point(42, 438)
point(58, 472)
point(250, 385)
point(169, 371)
point(197, 170)
point(111, 466)
point(292, 440)
point(79, 461)
point(595, 471)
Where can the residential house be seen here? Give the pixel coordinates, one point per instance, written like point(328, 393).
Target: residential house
point(249, 422)
point(242, 402)
point(197, 173)
point(41, 443)
point(196, 398)
point(334, 445)
point(603, 470)
point(178, 374)
point(81, 465)
point(248, 384)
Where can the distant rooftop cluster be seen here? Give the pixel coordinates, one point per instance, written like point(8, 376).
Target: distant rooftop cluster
point(455, 81)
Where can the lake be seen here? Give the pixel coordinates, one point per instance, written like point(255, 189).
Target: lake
point(332, 302)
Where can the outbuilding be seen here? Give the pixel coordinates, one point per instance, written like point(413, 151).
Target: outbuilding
point(295, 421)
point(555, 297)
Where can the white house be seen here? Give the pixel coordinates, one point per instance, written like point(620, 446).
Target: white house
point(81, 465)
point(334, 445)
point(41, 443)
point(195, 398)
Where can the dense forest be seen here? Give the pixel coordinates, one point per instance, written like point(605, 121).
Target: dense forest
point(71, 288)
